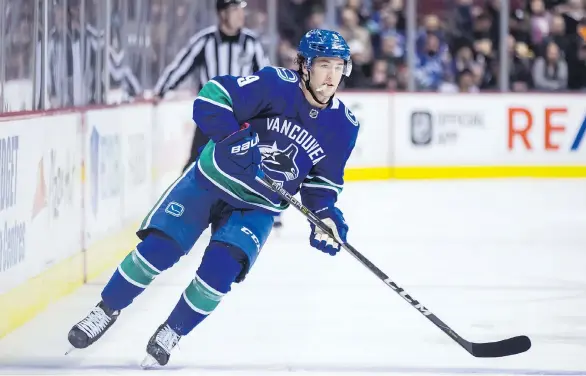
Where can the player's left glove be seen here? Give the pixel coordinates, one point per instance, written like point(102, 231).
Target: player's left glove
point(238, 154)
point(332, 217)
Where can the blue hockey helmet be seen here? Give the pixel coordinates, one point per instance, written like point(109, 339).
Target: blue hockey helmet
point(325, 43)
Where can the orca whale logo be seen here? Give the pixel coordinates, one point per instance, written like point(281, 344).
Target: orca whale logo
point(280, 161)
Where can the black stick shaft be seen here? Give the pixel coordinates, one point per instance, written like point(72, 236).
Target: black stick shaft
point(364, 261)
point(510, 346)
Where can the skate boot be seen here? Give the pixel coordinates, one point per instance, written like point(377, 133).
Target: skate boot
point(160, 346)
point(93, 326)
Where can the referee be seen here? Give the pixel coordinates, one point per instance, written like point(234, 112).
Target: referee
point(226, 48)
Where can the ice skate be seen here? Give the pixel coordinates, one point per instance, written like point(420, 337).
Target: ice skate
point(93, 326)
point(278, 223)
point(160, 346)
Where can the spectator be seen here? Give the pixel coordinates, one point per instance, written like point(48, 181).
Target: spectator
point(72, 71)
point(429, 70)
point(18, 34)
point(392, 49)
point(573, 13)
point(550, 73)
point(575, 59)
point(492, 11)
point(380, 75)
point(317, 19)
point(394, 55)
point(387, 25)
point(519, 57)
point(358, 39)
point(483, 48)
point(540, 22)
point(361, 9)
point(287, 54)
point(464, 60)
point(431, 26)
point(579, 79)
point(461, 23)
point(258, 23)
point(123, 83)
point(292, 16)
point(398, 7)
point(466, 81)
point(548, 29)
point(520, 25)
point(373, 24)
point(520, 81)
point(519, 66)
point(463, 81)
point(557, 35)
point(482, 28)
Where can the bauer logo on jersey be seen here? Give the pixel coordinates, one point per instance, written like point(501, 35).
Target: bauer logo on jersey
point(241, 149)
point(280, 161)
point(421, 128)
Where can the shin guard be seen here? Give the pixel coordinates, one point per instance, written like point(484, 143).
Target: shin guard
point(139, 268)
point(219, 268)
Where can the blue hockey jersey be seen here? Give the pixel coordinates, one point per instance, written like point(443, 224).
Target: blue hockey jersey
point(303, 147)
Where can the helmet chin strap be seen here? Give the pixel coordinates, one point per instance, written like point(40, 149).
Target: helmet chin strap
point(312, 93)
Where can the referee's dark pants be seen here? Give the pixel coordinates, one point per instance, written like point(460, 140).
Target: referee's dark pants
point(199, 141)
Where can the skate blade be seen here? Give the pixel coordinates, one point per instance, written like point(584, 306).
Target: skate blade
point(71, 349)
point(149, 362)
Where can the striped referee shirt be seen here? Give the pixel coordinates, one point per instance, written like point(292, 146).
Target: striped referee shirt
point(211, 53)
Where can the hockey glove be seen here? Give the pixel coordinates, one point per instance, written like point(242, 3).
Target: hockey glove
point(238, 154)
point(334, 219)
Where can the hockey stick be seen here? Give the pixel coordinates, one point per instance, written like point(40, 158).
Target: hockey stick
point(510, 346)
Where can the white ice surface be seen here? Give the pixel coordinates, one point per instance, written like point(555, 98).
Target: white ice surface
point(492, 259)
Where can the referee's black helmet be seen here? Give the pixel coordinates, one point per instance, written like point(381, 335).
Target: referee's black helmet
point(223, 4)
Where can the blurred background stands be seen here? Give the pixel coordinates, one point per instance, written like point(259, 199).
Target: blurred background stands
point(64, 53)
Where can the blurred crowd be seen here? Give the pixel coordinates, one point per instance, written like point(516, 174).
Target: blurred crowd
point(456, 43)
point(456, 46)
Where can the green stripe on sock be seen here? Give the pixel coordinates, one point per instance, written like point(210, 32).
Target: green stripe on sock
point(137, 270)
point(143, 265)
point(200, 297)
point(211, 91)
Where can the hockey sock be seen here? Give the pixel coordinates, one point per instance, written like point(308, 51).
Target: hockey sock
point(218, 269)
point(139, 268)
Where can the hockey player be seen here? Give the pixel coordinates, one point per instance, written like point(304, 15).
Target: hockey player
point(303, 135)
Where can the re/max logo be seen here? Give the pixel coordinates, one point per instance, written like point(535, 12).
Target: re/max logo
point(523, 128)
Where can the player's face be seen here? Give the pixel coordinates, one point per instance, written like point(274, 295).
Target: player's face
point(326, 74)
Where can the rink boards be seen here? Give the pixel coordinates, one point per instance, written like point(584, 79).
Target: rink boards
point(429, 136)
point(74, 184)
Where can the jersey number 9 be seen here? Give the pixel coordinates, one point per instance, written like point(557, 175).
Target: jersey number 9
point(246, 80)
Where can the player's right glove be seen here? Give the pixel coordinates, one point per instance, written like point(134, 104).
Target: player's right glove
point(334, 219)
point(238, 154)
